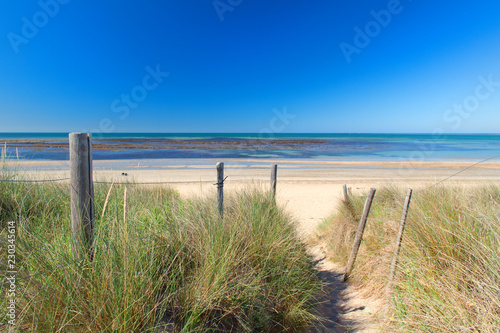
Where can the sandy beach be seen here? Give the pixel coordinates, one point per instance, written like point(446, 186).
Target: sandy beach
point(309, 189)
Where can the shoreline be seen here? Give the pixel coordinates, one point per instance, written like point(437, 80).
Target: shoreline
point(249, 163)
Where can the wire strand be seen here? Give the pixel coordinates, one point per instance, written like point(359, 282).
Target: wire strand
point(132, 183)
point(33, 180)
point(455, 174)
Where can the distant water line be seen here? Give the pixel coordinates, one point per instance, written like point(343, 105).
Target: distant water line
point(319, 146)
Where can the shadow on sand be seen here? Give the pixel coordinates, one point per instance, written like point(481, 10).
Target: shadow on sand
point(334, 304)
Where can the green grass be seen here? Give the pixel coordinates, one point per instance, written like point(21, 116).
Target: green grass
point(166, 262)
point(448, 276)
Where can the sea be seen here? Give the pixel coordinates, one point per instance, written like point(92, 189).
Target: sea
point(309, 146)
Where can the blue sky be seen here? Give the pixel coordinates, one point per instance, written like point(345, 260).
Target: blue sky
point(250, 66)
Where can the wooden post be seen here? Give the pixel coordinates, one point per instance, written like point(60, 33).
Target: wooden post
point(220, 188)
point(399, 240)
point(274, 175)
point(359, 234)
point(346, 196)
point(82, 194)
point(4, 152)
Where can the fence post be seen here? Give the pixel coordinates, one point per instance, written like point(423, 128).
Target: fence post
point(359, 234)
point(82, 194)
point(399, 240)
point(274, 175)
point(220, 188)
point(346, 195)
point(4, 152)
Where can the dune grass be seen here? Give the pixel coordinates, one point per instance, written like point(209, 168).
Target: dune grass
point(162, 263)
point(448, 275)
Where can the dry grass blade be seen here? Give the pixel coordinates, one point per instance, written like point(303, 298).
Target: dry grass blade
point(106, 200)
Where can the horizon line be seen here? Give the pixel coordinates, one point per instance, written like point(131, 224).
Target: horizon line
point(283, 133)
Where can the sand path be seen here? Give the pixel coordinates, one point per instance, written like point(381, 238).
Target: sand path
point(343, 308)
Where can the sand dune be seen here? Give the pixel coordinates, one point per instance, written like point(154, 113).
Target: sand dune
point(309, 190)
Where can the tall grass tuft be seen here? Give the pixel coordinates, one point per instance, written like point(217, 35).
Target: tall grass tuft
point(448, 275)
point(162, 263)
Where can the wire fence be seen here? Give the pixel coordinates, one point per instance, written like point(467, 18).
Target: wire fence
point(67, 179)
point(33, 180)
point(248, 167)
point(459, 172)
point(109, 181)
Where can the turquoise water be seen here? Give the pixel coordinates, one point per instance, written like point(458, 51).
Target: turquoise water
point(417, 147)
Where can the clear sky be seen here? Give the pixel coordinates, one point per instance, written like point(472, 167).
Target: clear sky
point(248, 66)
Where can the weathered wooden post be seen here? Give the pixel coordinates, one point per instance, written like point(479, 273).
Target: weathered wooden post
point(399, 240)
point(4, 152)
point(346, 195)
point(82, 194)
point(220, 188)
point(274, 175)
point(359, 234)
